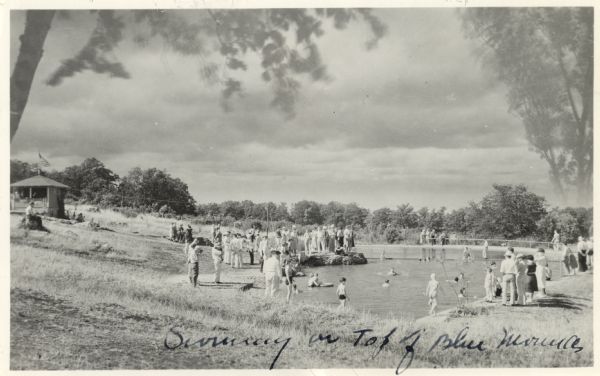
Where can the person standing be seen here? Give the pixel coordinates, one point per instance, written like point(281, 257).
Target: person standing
point(293, 239)
point(262, 251)
point(173, 232)
point(236, 252)
point(29, 213)
point(192, 259)
point(342, 293)
point(432, 237)
point(288, 275)
point(582, 254)
point(331, 239)
point(347, 235)
point(188, 234)
point(227, 248)
point(314, 245)
point(272, 270)
point(509, 272)
point(521, 279)
point(590, 253)
point(306, 239)
point(181, 235)
point(249, 245)
point(530, 280)
point(566, 260)
point(278, 237)
point(339, 238)
point(555, 240)
point(422, 237)
point(541, 267)
point(489, 283)
point(431, 293)
point(217, 254)
point(321, 239)
point(485, 250)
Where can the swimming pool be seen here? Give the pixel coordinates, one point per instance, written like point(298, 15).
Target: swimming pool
point(405, 296)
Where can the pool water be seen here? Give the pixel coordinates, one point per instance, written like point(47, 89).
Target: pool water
point(405, 296)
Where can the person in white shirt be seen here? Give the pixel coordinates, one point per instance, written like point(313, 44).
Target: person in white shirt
point(217, 254)
point(193, 250)
point(321, 240)
point(541, 269)
point(555, 240)
point(508, 268)
point(227, 248)
point(489, 283)
point(347, 235)
point(485, 250)
point(29, 213)
point(520, 278)
point(236, 251)
point(314, 242)
point(273, 274)
point(306, 239)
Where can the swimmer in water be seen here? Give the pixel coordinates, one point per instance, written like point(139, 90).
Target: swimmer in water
point(392, 272)
point(386, 284)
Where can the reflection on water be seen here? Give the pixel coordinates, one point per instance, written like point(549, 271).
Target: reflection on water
point(405, 296)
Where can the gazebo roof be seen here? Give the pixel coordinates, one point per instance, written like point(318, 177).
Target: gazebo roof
point(39, 181)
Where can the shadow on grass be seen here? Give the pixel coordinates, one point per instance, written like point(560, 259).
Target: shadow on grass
point(558, 301)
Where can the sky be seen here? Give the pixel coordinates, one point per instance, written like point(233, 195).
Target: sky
point(416, 120)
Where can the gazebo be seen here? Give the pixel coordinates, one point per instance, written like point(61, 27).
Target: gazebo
point(43, 191)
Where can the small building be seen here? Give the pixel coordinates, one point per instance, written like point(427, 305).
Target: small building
point(46, 194)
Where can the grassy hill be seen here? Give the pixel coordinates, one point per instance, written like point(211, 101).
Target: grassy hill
point(108, 299)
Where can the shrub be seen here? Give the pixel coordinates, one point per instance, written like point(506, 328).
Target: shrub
point(127, 212)
point(393, 235)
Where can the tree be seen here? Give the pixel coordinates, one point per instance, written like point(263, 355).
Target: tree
point(355, 215)
point(307, 213)
point(232, 35)
point(90, 180)
point(21, 170)
point(281, 212)
point(333, 213)
point(545, 57)
point(381, 218)
point(233, 209)
point(563, 222)
point(405, 217)
point(456, 221)
point(153, 188)
point(510, 211)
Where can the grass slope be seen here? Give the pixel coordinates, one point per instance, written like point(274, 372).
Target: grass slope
point(82, 299)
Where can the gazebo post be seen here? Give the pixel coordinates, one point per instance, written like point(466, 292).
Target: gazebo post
point(30, 193)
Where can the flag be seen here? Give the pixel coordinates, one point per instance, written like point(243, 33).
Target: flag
point(43, 161)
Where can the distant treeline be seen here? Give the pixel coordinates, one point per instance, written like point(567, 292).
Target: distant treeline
point(508, 211)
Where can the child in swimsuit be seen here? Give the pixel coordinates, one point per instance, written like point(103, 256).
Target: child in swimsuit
point(341, 292)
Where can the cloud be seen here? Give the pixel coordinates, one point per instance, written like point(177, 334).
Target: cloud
point(414, 120)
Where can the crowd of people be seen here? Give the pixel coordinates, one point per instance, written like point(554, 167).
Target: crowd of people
point(522, 277)
point(181, 235)
point(277, 255)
